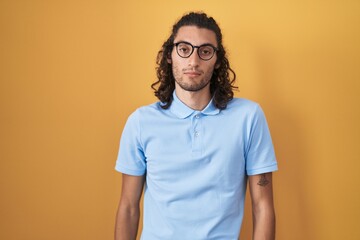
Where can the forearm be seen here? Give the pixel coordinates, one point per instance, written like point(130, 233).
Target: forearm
point(127, 222)
point(264, 224)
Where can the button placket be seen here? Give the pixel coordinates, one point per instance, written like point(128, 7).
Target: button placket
point(196, 132)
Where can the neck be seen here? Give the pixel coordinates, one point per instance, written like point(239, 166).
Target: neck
point(195, 100)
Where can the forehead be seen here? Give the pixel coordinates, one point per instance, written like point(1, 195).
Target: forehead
point(196, 36)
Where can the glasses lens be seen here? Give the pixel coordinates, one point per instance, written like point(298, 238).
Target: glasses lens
point(206, 52)
point(184, 49)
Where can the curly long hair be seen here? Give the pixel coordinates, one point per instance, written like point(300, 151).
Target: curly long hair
point(221, 83)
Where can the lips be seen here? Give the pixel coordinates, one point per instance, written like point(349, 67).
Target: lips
point(192, 73)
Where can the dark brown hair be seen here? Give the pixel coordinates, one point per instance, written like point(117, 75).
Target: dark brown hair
point(221, 85)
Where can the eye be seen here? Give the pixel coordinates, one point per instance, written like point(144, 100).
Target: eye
point(206, 50)
point(184, 48)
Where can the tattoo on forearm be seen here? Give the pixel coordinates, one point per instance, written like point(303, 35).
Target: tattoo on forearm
point(263, 181)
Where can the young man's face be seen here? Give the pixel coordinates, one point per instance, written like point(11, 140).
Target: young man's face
point(193, 73)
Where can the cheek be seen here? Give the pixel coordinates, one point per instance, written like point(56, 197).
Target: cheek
point(211, 68)
point(209, 72)
point(176, 70)
point(179, 64)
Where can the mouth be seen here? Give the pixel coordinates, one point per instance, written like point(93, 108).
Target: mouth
point(192, 73)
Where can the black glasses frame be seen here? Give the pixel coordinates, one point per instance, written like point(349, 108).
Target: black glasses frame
point(198, 47)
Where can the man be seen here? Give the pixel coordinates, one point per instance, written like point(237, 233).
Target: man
point(195, 149)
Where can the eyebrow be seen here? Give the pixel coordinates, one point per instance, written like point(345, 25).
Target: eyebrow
point(181, 41)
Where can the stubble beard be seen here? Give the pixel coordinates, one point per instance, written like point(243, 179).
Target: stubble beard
point(191, 86)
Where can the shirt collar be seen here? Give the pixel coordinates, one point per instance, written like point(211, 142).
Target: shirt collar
point(182, 111)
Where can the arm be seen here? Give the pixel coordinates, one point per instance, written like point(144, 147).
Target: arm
point(262, 206)
point(128, 214)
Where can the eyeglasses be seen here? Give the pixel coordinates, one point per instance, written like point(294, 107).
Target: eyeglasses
point(205, 51)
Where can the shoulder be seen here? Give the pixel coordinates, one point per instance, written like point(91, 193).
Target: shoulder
point(243, 102)
point(145, 112)
point(244, 110)
point(150, 109)
point(243, 105)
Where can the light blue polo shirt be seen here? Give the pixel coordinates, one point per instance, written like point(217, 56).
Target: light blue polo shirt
point(196, 165)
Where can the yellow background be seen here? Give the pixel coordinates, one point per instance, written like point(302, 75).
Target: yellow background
point(72, 71)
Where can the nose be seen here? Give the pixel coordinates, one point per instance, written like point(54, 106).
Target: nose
point(194, 59)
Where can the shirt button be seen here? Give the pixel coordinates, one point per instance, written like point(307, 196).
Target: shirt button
point(197, 116)
point(196, 133)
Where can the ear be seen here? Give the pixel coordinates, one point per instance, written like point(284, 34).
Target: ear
point(168, 58)
point(217, 65)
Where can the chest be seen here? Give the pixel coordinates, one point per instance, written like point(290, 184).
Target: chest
point(187, 147)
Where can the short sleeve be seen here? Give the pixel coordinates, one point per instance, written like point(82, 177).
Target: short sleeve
point(260, 155)
point(131, 158)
